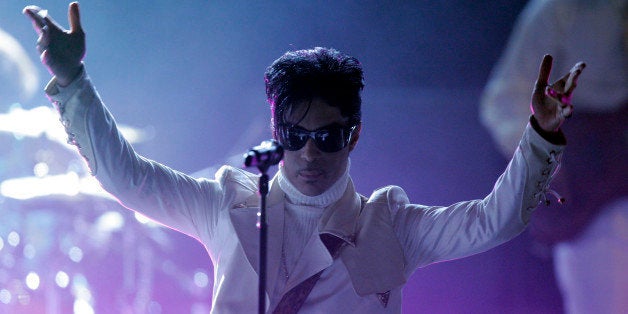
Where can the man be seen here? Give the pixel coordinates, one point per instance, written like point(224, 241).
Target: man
point(330, 250)
point(589, 233)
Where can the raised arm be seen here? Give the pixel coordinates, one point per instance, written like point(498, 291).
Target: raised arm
point(432, 234)
point(172, 198)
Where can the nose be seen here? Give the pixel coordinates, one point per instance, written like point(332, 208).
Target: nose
point(310, 152)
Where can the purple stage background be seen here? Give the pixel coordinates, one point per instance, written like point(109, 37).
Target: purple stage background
point(189, 75)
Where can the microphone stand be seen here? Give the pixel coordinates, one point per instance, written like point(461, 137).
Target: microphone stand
point(263, 239)
point(267, 154)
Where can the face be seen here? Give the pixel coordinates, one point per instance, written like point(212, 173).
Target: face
point(309, 169)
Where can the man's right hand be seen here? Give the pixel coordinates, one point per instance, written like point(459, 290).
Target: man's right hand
point(61, 50)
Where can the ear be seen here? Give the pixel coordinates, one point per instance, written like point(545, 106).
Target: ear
point(355, 136)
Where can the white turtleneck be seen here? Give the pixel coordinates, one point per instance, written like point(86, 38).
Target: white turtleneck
point(330, 196)
point(302, 214)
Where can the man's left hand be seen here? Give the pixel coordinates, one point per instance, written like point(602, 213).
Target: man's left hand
point(551, 104)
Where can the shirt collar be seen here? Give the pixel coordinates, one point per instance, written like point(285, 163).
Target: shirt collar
point(330, 196)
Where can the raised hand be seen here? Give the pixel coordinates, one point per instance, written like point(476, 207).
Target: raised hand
point(61, 50)
point(551, 104)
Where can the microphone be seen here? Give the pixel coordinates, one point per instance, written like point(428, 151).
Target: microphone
point(266, 154)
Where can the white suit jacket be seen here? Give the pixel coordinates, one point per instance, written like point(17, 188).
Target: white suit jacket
point(385, 242)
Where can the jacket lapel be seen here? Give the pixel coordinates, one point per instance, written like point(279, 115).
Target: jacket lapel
point(314, 258)
point(244, 219)
point(341, 218)
point(376, 262)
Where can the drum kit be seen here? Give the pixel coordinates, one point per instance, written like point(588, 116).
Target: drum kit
point(67, 246)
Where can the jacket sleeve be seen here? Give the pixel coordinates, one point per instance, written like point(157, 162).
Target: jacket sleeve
point(167, 196)
point(430, 234)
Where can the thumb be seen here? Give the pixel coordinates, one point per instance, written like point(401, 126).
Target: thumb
point(74, 18)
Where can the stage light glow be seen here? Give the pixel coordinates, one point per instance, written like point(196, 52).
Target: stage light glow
point(32, 280)
point(201, 279)
point(68, 184)
point(29, 251)
point(75, 254)
point(41, 169)
point(13, 239)
point(62, 279)
point(1, 243)
point(44, 120)
point(5, 296)
point(31, 187)
point(82, 303)
point(82, 307)
point(109, 222)
point(30, 123)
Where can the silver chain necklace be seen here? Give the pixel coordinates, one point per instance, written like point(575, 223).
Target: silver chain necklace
point(284, 264)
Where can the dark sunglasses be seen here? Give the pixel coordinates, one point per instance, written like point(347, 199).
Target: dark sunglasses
point(329, 139)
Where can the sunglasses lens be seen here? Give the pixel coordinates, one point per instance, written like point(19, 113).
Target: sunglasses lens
point(330, 139)
point(293, 138)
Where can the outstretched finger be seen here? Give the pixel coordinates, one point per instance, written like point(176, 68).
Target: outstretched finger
point(574, 74)
point(33, 12)
point(541, 81)
point(41, 19)
point(74, 17)
point(545, 69)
